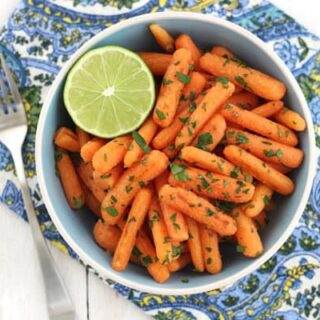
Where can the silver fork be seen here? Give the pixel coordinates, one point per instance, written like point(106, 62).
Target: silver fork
point(13, 130)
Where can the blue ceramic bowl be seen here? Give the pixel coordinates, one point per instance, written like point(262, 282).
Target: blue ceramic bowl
point(76, 227)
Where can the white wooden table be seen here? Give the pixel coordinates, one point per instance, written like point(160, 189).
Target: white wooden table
point(21, 291)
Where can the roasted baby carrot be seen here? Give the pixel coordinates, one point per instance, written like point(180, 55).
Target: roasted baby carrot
point(240, 74)
point(147, 254)
point(159, 231)
point(208, 105)
point(290, 119)
point(197, 208)
point(210, 250)
point(260, 125)
point(134, 178)
point(244, 99)
point(83, 137)
point(106, 181)
point(249, 242)
point(268, 109)
point(163, 38)
point(212, 163)
point(66, 139)
point(85, 172)
point(111, 154)
point(185, 41)
point(173, 81)
point(211, 134)
point(180, 263)
point(135, 151)
point(190, 91)
point(174, 220)
point(90, 148)
point(211, 185)
point(134, 222)
point(265, 149)
point(69, 179)
point(158, 63)
point(259, 169)
point(194, 243)
point(222, 52)
point(106, 236)
point(261, 198)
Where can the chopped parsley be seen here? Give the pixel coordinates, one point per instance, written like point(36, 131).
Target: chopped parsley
point(210, 213)
point(141, 184)
point(112, 211)
point(240, 248)
point(183, 78)
point(160, 114)
point(166, 81)
point(176, 251)
point(204, 140)
point(241, 138)
point(78, 203)
point(266, 201)
point(179, 172)
point(147, 260)
point(138, 138)
point(243, 82)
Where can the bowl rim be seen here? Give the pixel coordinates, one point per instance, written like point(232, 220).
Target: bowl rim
point(151, 17)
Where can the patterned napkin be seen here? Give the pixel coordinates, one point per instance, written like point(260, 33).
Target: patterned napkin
point(42, 34)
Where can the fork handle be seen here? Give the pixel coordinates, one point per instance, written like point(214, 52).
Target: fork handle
point(58, 301)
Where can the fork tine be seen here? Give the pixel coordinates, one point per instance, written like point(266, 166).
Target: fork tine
point(12, 84)
point(5, 96)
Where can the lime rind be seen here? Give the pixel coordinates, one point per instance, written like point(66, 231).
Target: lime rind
point(109, 104)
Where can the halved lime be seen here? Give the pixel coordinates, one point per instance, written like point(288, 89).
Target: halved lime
point(109, 91)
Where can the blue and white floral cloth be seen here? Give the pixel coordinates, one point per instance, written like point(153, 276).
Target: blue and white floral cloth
point(42, 34)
